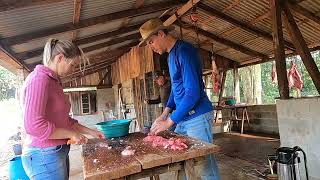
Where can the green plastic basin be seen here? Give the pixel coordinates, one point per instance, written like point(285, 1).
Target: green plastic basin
point(114, 128)
point(230, 102)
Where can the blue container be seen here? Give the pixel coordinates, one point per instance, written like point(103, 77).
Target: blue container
point(114, 128)
point(16, 170)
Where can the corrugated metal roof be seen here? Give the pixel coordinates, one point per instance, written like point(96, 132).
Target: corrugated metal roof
point(139, 19)
point(311, 5)
point(37, 59)
point(94, 8)
point(150, 2)
point(114, 25)
point(261, 45)
point(241, 36)
point(99, 28)
point(234, 55)
point(218, 4)
point(109, 47)
point(34, 18)
point(38, 43)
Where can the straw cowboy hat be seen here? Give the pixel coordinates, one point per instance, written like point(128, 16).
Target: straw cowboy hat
point(151, 27)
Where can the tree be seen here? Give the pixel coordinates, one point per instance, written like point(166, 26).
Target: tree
point(8, 84)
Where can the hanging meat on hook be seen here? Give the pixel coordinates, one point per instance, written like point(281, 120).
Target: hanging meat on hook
point(294, 77)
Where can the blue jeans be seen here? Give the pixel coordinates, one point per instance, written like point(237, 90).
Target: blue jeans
point(201, 128)
point(50, 163)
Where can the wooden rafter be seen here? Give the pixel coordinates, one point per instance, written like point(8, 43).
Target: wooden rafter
point(279, 52)
point(76, 17)
point(231, 44)
point(247, 27)
point(181, 11)
point(30, 54)
point(8, 62)
point(8, 53)
point(90, 22)
point(302, 47)
point(102, 56)
point(139, 4)
point(6, 5)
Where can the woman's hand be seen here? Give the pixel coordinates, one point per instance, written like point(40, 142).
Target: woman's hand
point(97, 134)
point(78, 139)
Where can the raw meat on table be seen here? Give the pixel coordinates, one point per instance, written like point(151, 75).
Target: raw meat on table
point(128, 151)
point(172, 143)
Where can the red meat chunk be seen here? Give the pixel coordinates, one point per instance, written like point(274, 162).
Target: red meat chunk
point(172, 143)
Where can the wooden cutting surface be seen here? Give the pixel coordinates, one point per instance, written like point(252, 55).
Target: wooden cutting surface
point(101, 162)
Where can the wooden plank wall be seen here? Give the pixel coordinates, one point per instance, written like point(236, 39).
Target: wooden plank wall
point(138, 61)
point(88, 80)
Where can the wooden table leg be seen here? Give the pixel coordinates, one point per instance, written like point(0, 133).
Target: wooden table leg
point(189, 170)
point(242, 121)
point(156, 177)
point(180, 175)
point(247, 116)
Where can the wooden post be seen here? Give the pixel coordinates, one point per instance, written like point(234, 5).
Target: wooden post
point(236, 84)
point(301, 46)
point(278, 44)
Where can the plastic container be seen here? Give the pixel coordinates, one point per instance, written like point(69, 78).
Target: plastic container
point(114, 128)
point(16, 170)
point(230, 102)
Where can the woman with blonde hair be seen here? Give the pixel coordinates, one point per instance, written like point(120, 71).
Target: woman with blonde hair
point(46, 114)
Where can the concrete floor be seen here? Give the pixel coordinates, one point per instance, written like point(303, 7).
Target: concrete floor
point(242, 157)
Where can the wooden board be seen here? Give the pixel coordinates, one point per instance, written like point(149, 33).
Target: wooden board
point(103, 163)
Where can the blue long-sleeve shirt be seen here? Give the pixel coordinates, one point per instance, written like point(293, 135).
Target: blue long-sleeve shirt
point(187, 96)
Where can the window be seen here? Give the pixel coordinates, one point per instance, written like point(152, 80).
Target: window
point(85, 103)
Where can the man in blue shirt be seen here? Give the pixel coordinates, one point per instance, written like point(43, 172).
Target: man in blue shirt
point(192, 110)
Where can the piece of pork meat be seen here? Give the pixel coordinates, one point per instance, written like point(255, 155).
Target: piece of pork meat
point(172, 143)
point(128, 151)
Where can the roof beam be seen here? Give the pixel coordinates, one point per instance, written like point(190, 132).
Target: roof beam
point(240, 24)
point(304, 12)
point(31, 54)
point(231, 44)
point(139, 4)
point(90, 70)
point(181, 11)
point(6, 5)
point(302, 47)
point(107, 54)
point(255, 20)
point(90, 22)
point(134, 36)
point(76, 16)
point(8, 53)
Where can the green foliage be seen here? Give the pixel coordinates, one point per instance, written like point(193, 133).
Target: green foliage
point(269, 90)
point(7, 84)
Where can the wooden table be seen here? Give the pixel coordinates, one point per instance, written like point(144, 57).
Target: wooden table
point(100, 162)
point(234, 116)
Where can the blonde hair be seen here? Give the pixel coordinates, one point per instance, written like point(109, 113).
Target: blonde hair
point(69, 49)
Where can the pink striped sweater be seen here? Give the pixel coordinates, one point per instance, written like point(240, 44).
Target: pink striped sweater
point(45, 107)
